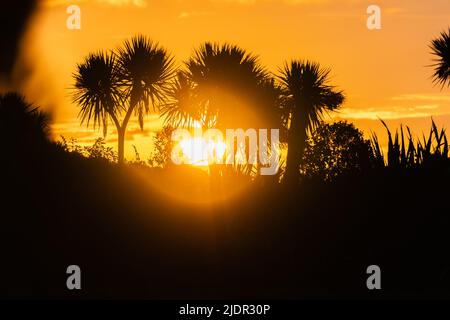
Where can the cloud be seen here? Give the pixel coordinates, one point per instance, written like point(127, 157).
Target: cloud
point(190, 14)
point(118, 3)
point(137, 3)
point(289, 2)
point(421, 97)
point(411, 105)
point(394, 10)
point(425, 107)
point(392, 112)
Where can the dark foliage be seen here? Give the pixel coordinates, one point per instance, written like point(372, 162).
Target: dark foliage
point(334, 150)
point(114, 86)
point(139, 233)
point(441, 50)
point(307, 97)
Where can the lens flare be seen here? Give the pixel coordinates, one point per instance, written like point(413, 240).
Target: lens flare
point(202, 152)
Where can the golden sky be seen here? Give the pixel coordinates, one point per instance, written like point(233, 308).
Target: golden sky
point(383, 72)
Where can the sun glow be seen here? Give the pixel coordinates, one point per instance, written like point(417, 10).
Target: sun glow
point(202, 152)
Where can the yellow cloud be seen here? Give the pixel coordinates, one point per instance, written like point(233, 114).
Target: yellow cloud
point(391, 112)
point(421, 97)
point(55, 3)
point(289, 2)
point(190, 14)
point(138, 3)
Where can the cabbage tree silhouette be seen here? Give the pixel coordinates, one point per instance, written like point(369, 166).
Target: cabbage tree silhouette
point(109, 85)
point(223, 86)
point(307, 96)
point(97, 90)
point(441, 49)
point(146, 69)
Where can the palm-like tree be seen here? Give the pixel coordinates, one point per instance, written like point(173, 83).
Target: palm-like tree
point(182, 108)
point(109, 85)
point(307, 96)
point(146, 71)
point(97, 90)
point(441, 49)
point(222, 86)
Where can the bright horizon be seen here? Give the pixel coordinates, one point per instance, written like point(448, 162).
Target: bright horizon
point(383, 72)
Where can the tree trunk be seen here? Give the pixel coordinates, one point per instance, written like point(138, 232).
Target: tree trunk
point(121, 141)
point(296, 147)
point(121, 134)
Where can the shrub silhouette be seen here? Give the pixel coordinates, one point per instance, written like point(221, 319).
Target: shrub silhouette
point(22, 126)
point(334, 150)
point(98, 150)
point(162, 142)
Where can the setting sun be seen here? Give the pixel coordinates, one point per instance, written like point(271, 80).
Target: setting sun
point(202, 152)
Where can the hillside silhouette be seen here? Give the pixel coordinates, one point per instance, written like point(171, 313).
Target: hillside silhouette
point(153, 230)
point(270, 241)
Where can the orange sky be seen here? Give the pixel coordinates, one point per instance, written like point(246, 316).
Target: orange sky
point(383, 72)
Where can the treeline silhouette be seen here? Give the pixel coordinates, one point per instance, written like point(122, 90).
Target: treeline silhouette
point(163, 231)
